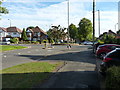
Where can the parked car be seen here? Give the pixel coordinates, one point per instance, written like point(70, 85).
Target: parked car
point(87, 43)
point(5, 43)
point(102, 50)
point(111, 59)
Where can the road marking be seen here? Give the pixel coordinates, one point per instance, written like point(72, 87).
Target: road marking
point(19, 53)
point(4, 56)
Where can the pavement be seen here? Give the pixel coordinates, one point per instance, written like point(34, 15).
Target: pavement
point(79, 70)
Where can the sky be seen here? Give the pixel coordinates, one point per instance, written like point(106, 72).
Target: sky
point(45, 13)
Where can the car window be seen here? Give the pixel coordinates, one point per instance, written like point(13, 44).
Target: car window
point(112, 47)
point(115, 54)
point(117, 46)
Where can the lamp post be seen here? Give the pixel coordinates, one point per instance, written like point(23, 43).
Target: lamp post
point(10, 22)
point(93, 24)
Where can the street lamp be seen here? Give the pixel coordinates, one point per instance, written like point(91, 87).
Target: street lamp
point(10, 22)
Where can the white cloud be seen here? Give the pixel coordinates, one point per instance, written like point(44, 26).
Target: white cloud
point(22, 16)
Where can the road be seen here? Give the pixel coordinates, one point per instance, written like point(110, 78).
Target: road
point(78, 72)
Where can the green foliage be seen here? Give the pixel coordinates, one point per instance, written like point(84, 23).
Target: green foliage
point(30, 27)
point(9, 47)
point(100, 42)
point(118, 41)
point(14, 40)
point(35, 42)
point(113, 78)
point(85, 29)
point(57, 33)
point(27, 75)
point(24, 36)
point(118, 32)
point(45, 41)
point(107, 39)
point(73, 31)
point(3, 10)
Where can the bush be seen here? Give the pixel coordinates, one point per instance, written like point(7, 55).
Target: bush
point(14, 40)
point(113, 78)
point(35, 42)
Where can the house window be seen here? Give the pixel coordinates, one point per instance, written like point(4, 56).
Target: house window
point(14, 33)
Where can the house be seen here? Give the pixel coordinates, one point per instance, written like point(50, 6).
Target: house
point(3, 33)
point(36, 34)
point(11, 32)
point(110, 32)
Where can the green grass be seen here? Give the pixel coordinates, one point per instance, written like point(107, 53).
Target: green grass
point(27, 75)
point(9, 47)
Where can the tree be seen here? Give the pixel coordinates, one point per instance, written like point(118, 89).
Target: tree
point(85, 29)
point(24, 36)
point(107, 39)
point(73, 31)
point(56, 33)
point(30, 27)
point(3, 10)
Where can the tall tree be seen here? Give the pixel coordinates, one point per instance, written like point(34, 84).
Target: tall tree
point(56, 33)
point(24, 36)
point(3, 10)
point(73, 31)
point(85, 29)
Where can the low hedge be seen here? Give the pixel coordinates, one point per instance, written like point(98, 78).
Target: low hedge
point(113, 78)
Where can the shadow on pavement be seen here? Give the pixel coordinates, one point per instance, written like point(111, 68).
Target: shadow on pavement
point(70, 79)
point(83, 56)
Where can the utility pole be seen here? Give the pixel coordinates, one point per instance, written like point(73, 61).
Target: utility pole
point(68, 26)
point(99, 21)
point(93, 25)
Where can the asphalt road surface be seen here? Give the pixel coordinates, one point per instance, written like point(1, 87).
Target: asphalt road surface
point(78, 72)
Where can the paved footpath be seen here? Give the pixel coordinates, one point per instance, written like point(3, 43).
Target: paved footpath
point(78, 72)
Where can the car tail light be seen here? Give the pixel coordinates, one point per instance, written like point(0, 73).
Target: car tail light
point(107, 59)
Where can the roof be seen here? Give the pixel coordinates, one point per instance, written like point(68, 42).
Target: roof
point(37, 29)
point(4, 29)
point(13, 29)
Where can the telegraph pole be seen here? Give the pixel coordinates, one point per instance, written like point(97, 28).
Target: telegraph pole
point(93, 25)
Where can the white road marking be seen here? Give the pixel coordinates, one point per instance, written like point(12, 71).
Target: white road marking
point(4, 56)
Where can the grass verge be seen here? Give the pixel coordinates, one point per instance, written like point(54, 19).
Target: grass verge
point(27, 75)
point(9, 47)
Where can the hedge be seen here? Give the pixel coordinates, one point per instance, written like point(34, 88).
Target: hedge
point(113, 78)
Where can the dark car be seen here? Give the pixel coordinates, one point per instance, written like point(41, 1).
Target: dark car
point(111, 59)
point(102, 50)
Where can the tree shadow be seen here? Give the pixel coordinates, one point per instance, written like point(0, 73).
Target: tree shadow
point(82, 56)
point(69, 79)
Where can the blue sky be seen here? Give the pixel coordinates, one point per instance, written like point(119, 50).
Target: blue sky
point(44, 13)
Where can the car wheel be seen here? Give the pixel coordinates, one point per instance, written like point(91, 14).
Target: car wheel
point(102, 55)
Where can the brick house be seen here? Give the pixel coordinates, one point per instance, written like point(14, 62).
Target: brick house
point(11, 32)
point(36, 34)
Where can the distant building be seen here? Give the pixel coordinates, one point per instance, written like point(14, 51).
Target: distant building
point(36, 34)
point(119, 15)
point(11, 32)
